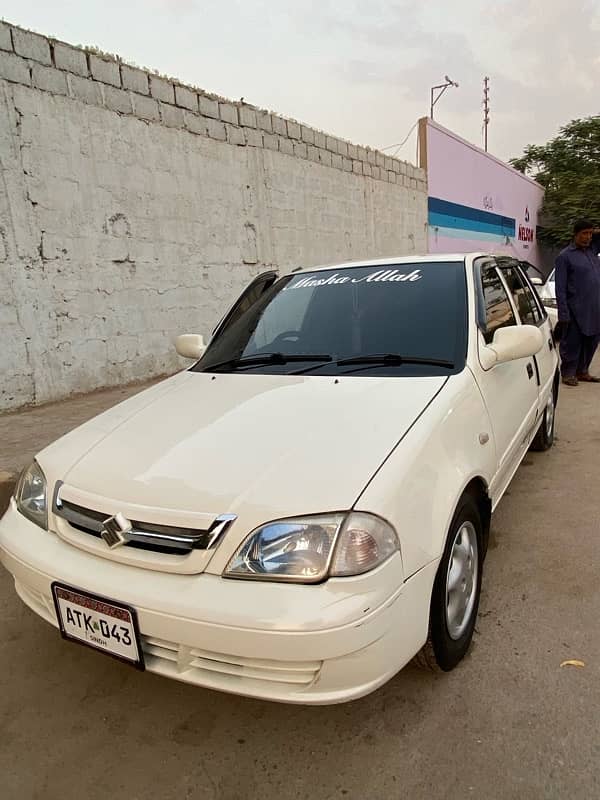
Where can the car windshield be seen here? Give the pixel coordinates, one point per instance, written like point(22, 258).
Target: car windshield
point(408, 319)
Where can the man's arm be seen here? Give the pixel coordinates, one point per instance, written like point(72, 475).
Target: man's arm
point(561, 273)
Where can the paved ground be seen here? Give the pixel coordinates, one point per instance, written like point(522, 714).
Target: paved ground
point(508, 723)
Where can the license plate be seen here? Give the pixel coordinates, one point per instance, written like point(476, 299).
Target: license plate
point(99, 623)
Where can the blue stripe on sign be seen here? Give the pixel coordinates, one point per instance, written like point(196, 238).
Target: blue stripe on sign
point(467, 218)
point(442, 221)
point(454, 233)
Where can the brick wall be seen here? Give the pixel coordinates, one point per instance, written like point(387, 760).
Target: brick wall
point(133, 208)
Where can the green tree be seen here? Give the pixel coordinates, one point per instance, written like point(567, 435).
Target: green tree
point(568, 167)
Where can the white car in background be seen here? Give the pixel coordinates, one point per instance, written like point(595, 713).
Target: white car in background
point(299, 513)
point(547, 293)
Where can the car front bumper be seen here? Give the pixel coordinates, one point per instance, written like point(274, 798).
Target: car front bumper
point(249, 638)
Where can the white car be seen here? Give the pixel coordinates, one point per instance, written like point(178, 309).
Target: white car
point(308, 506)
point(547, 294)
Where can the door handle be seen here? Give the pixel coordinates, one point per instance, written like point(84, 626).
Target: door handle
point(550, 344)
point(530, 371)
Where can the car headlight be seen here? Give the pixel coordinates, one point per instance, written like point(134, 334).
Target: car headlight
point(311, 549)
point(30, 495)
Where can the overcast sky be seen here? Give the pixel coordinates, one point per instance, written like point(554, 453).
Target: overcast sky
point(359, 69)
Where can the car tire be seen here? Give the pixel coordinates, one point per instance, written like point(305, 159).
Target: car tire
point(544, 438)
point(457, 584)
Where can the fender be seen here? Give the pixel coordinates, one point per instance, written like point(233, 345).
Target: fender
point(418, 488)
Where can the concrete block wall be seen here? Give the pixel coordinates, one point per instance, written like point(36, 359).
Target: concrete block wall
point(134, 208)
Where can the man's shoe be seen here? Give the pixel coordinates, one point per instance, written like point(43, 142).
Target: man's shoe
point(570, 381)
point(587, 378)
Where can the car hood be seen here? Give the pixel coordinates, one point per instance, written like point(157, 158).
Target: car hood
point(229, 443)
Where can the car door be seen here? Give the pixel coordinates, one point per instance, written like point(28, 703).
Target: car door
point(531, 312)
point(510, 390)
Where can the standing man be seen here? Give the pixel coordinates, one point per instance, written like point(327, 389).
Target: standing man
point(577, 280)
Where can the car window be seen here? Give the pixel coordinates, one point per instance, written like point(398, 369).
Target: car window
point(496, 305)
point(522, 296)
point(534, 298)
point(249, 296)
point(416, 310)
point(284, 321)
point(530, 270)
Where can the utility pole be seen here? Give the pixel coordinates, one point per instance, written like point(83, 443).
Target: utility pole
point(440, 91)
point(486, 110)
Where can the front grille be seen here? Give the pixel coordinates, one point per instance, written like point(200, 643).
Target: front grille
point(183, 659)
point(168, 539)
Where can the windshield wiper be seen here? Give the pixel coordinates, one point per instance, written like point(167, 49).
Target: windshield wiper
point(393, 359)
point(383, 359)
point(267, 358)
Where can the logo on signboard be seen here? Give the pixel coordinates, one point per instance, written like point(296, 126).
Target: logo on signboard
point(526, 232)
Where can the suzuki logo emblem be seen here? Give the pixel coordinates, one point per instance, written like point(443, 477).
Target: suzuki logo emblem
point(115, 530)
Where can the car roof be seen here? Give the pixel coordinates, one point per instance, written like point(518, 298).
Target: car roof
point(431, 258)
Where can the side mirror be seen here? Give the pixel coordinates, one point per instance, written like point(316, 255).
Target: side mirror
point(512, 343)
point(190, 345)
point(537, 281)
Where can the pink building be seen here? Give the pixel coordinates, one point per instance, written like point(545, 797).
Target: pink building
point(476, 201)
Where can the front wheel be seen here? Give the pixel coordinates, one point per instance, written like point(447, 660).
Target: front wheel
point(456, 590)
point(544, 438)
